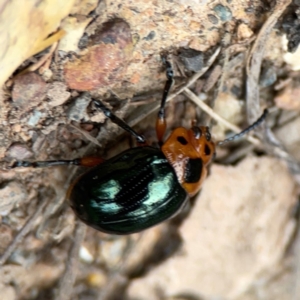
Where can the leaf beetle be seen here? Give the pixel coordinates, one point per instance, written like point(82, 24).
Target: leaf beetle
point(142, 186)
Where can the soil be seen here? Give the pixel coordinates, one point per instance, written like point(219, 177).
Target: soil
point(238, 238)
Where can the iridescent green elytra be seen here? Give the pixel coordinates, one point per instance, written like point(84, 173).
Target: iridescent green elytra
point(128, 193)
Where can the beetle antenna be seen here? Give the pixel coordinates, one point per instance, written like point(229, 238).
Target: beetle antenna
point(248, 129)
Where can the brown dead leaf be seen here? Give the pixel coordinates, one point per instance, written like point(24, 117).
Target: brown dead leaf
point(25, 31)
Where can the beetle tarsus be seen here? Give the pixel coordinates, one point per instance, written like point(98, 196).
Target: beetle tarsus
point(43, 164)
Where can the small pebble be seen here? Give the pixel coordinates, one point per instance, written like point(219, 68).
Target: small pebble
point(57, 93)
point(223, 12)
point(19, 151)
point(77, 110)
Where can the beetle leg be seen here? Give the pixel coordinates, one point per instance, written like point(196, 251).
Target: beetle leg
point(84, 162)
point(161, 118)
point(109, 114)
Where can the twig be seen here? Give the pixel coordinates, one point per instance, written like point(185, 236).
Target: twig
point(255, 58)
point(216, 117)
point(196, 76)
point(67, 281)
point(86, 135)
point(41, 61)
point(147, 110)
point(26, 228)
point(272, 144)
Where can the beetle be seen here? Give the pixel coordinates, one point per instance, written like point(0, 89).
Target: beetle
point(142, 186)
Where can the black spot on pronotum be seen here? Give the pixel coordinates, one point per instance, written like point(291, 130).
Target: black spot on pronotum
point(182, 140)
point(193, 170)
point(207, 150)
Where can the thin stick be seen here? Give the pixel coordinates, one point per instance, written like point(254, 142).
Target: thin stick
point(65, 291)
point(196, 76)
point(148, 110)
point(26, 228)
point(216, 117)
point(43, 59)
point(255, 59)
